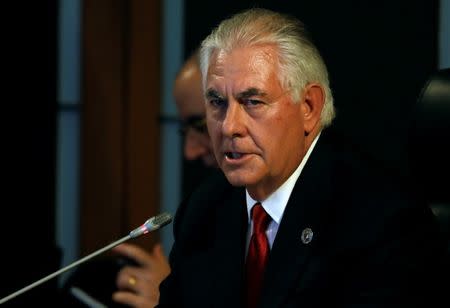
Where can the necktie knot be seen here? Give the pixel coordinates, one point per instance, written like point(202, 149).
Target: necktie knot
point(260, 218)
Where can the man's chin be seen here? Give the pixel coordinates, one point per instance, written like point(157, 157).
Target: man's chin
point(237, 179)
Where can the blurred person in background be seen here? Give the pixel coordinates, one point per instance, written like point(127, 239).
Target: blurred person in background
point(139, 285)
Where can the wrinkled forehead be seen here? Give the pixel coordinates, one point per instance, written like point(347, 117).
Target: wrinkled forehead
point(243, 67)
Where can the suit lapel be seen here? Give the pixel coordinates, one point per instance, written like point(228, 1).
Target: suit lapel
point(289, 255)
point(229, 249)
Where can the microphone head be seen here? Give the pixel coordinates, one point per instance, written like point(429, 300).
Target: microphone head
point(152, 224)
point(158, 221)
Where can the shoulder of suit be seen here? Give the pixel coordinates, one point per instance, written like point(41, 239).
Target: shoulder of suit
point(199, 206)
point(211, 187)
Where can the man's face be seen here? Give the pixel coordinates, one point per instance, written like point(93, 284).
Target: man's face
point(256, 130)
point(191, 108)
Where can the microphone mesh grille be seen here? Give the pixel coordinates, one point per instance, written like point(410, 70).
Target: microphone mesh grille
point(162, 219)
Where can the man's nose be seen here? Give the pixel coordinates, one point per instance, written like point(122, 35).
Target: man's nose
point(233, 123)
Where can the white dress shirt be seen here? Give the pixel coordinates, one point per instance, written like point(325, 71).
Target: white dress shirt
point(276, 203)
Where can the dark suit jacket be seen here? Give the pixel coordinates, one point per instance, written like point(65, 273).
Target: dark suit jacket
point(373, 245)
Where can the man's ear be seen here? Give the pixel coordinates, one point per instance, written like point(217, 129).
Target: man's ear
point(312, 105)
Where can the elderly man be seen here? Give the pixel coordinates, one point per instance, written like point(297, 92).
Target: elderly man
point(295, 217)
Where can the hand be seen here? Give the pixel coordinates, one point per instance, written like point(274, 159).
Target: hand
point(139, 285)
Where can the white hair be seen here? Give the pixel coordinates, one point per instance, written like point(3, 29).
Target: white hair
point(300, 63)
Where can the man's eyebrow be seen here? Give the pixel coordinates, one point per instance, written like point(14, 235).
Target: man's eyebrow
point(211, 93)
point(251, 92)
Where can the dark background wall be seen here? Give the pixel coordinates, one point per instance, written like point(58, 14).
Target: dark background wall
point(379, 55)
point(29, 59)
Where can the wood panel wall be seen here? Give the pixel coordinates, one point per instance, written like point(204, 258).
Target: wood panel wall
point(120, 131)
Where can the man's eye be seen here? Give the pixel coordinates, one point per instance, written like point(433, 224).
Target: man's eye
point(217, 102)
point(251, 102)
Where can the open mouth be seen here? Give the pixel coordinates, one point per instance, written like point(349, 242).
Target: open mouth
point(233, 155)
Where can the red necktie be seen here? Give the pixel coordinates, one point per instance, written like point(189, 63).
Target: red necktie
point(258, 253)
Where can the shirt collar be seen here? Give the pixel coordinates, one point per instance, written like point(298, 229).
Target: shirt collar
point(276, 203)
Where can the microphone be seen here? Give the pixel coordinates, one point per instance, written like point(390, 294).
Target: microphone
point(152, 224)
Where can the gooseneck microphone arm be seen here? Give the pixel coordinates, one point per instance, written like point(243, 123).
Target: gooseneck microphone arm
point(151, 224)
